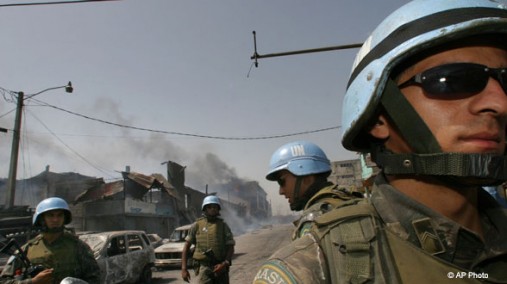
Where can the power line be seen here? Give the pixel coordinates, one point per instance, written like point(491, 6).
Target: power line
point(190, 134)
point(53, 3)
point(72, 150)
point(2, 115)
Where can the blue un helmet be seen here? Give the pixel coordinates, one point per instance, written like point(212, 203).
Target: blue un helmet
point(300, 158)
point(211, 199)
point(416, 28)
point(49, 204)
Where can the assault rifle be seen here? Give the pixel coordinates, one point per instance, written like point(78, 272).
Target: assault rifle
point(13, 249)
point(214, 261)
point(211, 257)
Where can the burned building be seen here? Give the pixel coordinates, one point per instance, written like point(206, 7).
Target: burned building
point(138, 202)
point(151, 203)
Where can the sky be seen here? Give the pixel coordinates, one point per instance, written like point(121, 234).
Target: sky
point(160, 80)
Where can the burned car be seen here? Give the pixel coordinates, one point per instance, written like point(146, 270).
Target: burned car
point(169, 254)
point(155, 240)
point(123, 256)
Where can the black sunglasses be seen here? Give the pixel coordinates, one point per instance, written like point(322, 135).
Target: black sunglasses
point(452, 80)
point(281, 182)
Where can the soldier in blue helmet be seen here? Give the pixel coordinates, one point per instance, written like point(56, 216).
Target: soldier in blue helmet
point(301, 169)
point(427, 98)
point(60, 253)
point(214, 245)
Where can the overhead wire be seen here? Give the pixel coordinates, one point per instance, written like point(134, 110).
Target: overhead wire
point(189, 134)
point(52, 3)
point(25, 152)
point(7, 113)
point(70, 148)
point(41, 103)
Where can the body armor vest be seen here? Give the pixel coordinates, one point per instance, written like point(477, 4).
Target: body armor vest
point(61, 256)
point(210, 235)
point(322, 202)
point(359, 249)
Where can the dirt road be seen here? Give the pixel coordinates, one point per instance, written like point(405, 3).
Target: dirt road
point(250, 251)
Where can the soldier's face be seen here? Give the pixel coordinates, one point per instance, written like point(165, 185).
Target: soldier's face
point(54, 218)
point(212, 210)
point(287, 183)
point(462, 122)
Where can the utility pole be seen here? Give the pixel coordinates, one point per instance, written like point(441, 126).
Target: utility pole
point(13, 166)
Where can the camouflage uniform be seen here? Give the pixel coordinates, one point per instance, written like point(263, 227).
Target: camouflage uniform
point(210, 234)
point(380, 243)
point(392, 237)
point(328, 196)
point(68, 256)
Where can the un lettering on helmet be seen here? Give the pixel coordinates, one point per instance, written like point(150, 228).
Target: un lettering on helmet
point(299, 158)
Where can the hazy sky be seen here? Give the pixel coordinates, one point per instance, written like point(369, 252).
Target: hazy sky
point(176, 66)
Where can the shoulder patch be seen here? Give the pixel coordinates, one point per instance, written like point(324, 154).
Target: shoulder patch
point(274, 271)
point(303, 229)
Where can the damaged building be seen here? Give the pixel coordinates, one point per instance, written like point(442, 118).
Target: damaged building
point(138, 202)
point(152, 203)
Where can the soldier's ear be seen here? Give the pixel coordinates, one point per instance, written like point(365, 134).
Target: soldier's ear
point(308, 180)
point(380, 129)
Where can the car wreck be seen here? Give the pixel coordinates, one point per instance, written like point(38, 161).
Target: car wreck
point(123, 256)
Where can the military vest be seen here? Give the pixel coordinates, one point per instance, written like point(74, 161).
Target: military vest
point(61, 255)
point(209, 235)
point(360, 249)
point(323, 201)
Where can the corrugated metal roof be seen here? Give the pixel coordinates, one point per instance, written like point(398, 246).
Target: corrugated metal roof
point(100, 192)
point(109, 189)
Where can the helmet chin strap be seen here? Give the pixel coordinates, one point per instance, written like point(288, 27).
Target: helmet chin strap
point(468, 169)
point(298, 203)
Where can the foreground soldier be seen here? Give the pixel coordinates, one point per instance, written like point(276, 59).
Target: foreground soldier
point(214, 246)
point(60, 252)
point(301, 169)
point(427, 98)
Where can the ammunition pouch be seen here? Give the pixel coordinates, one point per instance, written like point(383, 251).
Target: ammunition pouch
point(361, 249)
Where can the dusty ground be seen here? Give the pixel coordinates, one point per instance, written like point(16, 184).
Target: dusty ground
point(251, 250)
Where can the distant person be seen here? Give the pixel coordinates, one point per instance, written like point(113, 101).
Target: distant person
point(214, 246)
point(60, 252)
point(427, 98)
point(301, 169)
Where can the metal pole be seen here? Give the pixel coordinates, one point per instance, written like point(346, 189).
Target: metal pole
point(313, 50)
point(256, 55)
point(13, 167)
point(11, 186)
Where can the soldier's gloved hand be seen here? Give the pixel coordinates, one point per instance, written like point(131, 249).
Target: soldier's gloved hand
point(220, 268)
point(185, 275)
